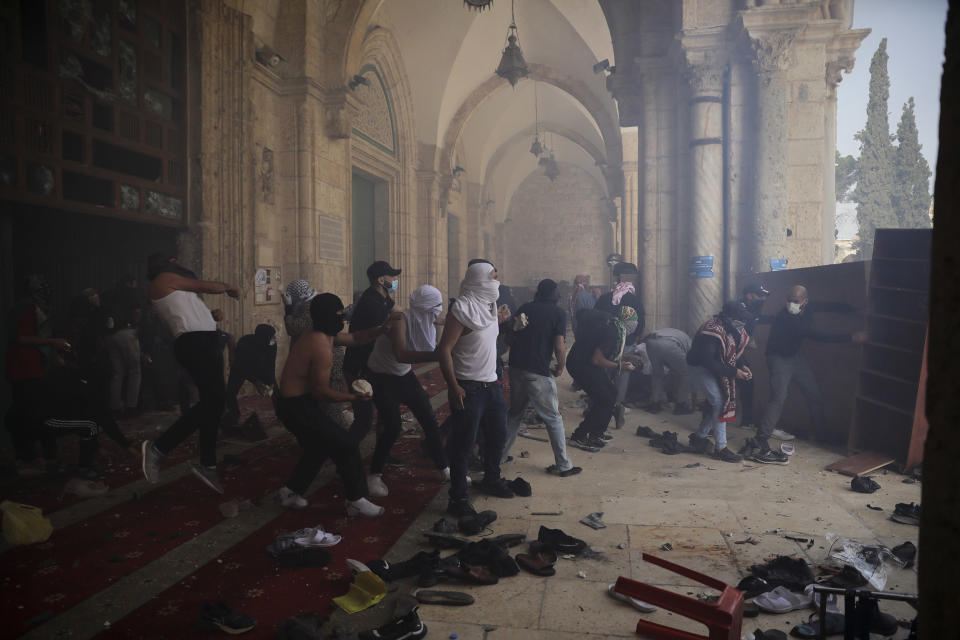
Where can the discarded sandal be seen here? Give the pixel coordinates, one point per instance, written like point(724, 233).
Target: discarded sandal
point(449, 598)
point(566, 473)
point(782, 600)
point(639, 605)
point(835, 623)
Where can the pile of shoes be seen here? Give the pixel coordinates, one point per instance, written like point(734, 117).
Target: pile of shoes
point(667, 441)
point(303, 548)
point(784, 571)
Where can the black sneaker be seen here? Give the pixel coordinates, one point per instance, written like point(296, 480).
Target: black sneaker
point(596, 441)
point(725, 455)
point(702, 445)
point(408, 627)
point(771, 457)
point(219, 617)
point(906, 552)
point(581, 442)
point(606, 437)
point(497, 488)
point(906, 513)
point(460, 508)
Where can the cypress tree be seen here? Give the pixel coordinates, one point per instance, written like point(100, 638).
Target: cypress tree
point(911, 194)
point(875, 178)
point(845, 175)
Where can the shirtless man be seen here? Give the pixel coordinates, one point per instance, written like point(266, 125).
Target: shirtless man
point(304, 386)
point(173, 292)
point(394, 382)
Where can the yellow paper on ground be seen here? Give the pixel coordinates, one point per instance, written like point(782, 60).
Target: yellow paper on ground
point(24, 524)
point(366, 590)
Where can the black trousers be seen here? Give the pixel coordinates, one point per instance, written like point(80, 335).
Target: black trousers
point(238, 375)
point(201, 354)
point(389, 392)
point(320, 438)
point(483, 409)
point(603, 395)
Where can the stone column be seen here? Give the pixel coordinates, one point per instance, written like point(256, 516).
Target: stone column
point(433, 253)
point(705, 285)
point(628, 203)
point(834, 71)
point(771, 60)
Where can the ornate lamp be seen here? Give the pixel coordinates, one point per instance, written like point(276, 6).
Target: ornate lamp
point(479, 5)
point(512, 65)
point(536, 148)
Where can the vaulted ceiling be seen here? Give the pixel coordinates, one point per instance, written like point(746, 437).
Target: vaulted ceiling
point(449, 56)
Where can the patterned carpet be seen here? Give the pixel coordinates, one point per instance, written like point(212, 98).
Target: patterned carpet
point(142, 567)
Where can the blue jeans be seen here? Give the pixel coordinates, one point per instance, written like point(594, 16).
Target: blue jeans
point(710, 422)
point(540, 391)
point(483, 406)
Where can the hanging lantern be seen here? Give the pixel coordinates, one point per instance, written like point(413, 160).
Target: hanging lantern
point(536, 148)
point(550, 167)
point(479, 5)
point(512, 65)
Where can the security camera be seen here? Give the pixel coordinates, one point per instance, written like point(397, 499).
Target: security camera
point(268, 57)
point(601, 66)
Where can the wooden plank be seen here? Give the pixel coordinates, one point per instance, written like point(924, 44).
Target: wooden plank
point(918, 437)
point(860, 464)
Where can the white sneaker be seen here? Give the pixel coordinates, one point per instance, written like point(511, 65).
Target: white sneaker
point(781, 435)
point(376, 486)
point(288, 498)
point(363, 508)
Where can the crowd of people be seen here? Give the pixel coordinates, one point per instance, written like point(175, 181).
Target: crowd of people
point(333, 379)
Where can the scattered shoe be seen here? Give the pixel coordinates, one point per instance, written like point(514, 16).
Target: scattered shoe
point(848, 578)
point(772, 634)
point(906, 552)
point(906, 513)
point(472, 525)
point(659, 441)
point(460, 508)
point(207, 475)
point(520, 487)
point(539, 564)
point(363, 508)
point(702, 445)
point(606, 437)
point(835, 624)
point(449, 598)
point(444, 526)
point(779, 434)
point(287, 498)
point(560, 541)
point(596, 441)
point(752, 586)
point(151, 461)
point(219, 617)
point(318, 538)
point(863, 484)
point(646, 432)
point(581, 442)
point(376, 486)
point(594, 520)
point(639, 605)
point(771, 457)
point(497, 488)
point(565, 473)
point(726, 455)
point(782, 600)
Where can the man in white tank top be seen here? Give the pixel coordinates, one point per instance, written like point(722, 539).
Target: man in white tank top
point(173, 292)
point(468, 360)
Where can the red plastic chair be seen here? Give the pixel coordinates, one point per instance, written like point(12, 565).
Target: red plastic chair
point(722, 618)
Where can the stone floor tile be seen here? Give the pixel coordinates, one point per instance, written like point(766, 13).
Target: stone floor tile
point(719, 564)
point(798, 515)
point(689, 512)
point(651, 538)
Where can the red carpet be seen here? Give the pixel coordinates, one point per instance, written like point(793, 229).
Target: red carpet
point(40, 581)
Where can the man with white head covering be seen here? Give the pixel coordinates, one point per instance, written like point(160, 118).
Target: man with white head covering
point(468, 360)
point(426, 305)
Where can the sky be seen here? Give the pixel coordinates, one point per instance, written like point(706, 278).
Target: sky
point(914, 30)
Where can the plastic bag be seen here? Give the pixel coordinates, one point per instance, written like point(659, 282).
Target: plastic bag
point(24, 524)
point(872, 561)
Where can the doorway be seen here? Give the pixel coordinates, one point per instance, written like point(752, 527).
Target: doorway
point(370, 227)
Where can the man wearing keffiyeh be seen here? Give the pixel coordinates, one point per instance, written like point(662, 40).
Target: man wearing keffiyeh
point(624, 294)
point(713, 368)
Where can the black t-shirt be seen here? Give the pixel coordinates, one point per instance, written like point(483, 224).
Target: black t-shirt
point(372, 310)
point(532, 347)
point(594, 329)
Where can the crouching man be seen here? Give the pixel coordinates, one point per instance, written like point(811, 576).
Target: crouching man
point(304, 389)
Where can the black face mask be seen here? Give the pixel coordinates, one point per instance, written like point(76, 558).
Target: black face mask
point(326, 311)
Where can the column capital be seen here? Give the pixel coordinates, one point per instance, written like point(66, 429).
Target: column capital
point(340, 108)
point(704, 76)
point(772, 52)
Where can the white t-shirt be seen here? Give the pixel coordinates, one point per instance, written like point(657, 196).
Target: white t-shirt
point(184, 312)
point(475, 355)
point(383, 359)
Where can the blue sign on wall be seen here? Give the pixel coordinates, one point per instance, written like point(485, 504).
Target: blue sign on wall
point(778, 264)
point(701, 267)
